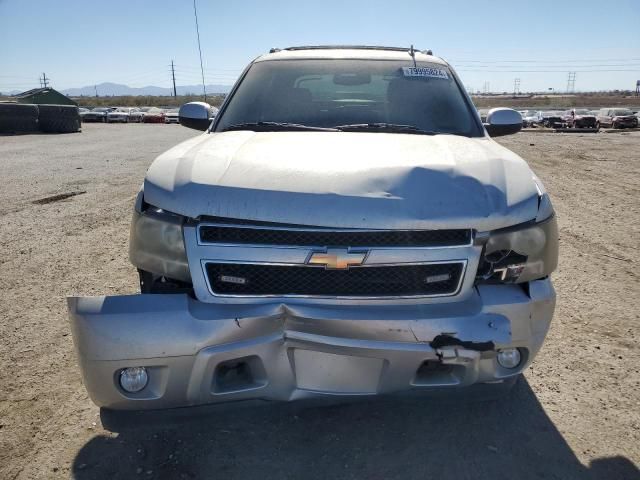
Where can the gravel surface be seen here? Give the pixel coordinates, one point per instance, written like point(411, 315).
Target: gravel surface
point(65, 207)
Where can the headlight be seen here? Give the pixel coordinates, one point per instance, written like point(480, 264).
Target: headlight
point(524, 252)
point(156, 243)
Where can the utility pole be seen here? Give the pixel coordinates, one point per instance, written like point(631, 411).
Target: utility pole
point(44, 81)
point(516, 86)
point(95, 88)
point(173, 77)
point(204, 88)
point(571, 82)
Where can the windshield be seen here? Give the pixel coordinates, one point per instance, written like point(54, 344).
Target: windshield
point(335, 93)
point(622, 111)
point(581, 111)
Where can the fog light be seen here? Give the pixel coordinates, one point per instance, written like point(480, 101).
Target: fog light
point(133, 379)
point(509, 357)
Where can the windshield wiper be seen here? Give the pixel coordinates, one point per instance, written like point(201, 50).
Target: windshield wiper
point(276, 126)
point(384, 127)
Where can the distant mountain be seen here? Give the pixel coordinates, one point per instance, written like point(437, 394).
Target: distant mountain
point(108, 89)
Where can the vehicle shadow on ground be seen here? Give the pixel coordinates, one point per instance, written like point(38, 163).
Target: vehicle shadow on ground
point(407, 438)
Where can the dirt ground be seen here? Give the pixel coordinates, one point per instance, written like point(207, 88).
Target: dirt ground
point(576, 414)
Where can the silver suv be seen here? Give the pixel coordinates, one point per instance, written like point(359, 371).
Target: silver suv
point(345, 226)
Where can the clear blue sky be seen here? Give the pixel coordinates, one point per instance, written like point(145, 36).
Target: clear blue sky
point(80, 43)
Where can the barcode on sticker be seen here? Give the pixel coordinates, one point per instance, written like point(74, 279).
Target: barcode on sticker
point(425, 72)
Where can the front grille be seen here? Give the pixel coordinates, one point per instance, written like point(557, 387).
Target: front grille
point(234, 234)
point(372, 281)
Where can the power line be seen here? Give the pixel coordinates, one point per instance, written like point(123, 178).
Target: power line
point(600, 66)
point(542, 71)
point(211, 69)
point(590, 60)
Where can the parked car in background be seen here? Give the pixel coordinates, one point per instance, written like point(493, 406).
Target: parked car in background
point(97, 114)
point(137, 115)
point(153, 115)
point(530, 118)
point(120, 115)
point(579, 118)
point(616, 118)
point(171, 117)
point(551, 119)
point(82, 111)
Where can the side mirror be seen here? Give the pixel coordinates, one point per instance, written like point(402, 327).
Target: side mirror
point(195, 115)
point(503, 121)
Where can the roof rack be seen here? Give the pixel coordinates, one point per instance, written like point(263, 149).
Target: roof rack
point(348, 47)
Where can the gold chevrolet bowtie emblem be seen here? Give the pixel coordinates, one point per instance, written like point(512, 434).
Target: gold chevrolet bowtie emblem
point(336, 258)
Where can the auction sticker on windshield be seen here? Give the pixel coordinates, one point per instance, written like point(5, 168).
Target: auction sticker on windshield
point(425, 72)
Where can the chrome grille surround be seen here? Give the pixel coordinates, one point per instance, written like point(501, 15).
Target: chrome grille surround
point(459, 266)
point(200, 254)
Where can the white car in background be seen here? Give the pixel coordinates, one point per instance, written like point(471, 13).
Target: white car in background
point(530, 118)
point(171, 116)
point(121, 114)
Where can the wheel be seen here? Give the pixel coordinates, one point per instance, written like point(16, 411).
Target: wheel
point(18, 118)
point(59, 118)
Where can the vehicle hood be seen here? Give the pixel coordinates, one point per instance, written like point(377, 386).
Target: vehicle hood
point(345, 180)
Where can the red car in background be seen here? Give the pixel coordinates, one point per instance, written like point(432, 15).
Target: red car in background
point(153, 115)
point(579, 118)
point(617, 118)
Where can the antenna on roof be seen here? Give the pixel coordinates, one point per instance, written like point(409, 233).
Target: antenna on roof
point(412, 52)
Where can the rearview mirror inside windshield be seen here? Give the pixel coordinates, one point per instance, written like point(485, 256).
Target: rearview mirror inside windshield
point(351, 78)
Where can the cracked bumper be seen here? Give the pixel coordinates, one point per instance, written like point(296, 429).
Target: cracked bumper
point(289, 352)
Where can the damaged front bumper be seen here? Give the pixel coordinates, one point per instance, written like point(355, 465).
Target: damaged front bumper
point(200, 353)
